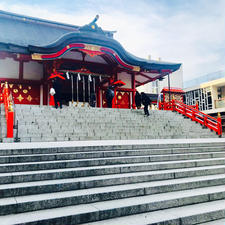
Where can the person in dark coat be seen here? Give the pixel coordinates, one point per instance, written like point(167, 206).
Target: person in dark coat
point(92, 99)
point(109, 96)
point(146, 102)
point(138, 100)
point(57, 85)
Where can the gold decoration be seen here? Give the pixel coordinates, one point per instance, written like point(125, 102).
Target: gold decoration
point(15, 90)
point(29, 98)
point(136, 68)
point(29, 87)
point(36, 56)
point(92, 47)
point(93, 26)
point(20, 98)
point(119, 97)
point(20, 86)
point(6, 84)
point(11, 85)
point(10, 107)
point(218, 115)
point(25, 91)
point(67, 46)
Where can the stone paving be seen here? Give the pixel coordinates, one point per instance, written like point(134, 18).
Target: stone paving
point(129, 182)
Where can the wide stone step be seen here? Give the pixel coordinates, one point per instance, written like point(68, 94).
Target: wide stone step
point(180, 146)
point(168, 173)
point(39, 187)
point(148, 162)
point(155, 155)
point(188, 215)
point(215, 222)
point(119, 207)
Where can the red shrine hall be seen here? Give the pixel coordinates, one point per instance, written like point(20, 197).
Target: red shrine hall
point(86, 59)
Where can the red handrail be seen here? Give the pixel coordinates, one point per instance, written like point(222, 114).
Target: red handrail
point(193, 113)
point(9, 114)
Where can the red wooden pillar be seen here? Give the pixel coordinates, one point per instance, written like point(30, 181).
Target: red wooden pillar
point(133, 92)
point(10, 125)
point(20, 70)
point(45, 94)
point(98, 96)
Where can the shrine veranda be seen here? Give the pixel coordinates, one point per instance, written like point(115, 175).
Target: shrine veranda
point(89, 58)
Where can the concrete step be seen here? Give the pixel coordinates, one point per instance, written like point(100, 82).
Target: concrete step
point(139, 180)
point(20, 204)
point(152, 162)
point(165, 147)
point(124, 207)
point(188, 215)
point(115, 171)
point(215, 222)
point(155, 155)
point(47, 184)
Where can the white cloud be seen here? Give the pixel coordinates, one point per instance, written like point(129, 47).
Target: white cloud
point(194, 38)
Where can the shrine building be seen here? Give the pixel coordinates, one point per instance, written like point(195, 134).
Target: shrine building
point(88, 59)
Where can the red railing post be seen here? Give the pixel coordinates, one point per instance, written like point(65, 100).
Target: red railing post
point(193, 115)
point(10, 125)
point(160, 105)
point(173, 105)
point(219, 125)
point(205, 121)
point(9, 114)
point(196, 106)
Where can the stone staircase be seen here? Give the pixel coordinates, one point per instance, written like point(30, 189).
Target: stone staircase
point(173, 182)
point(44, 123)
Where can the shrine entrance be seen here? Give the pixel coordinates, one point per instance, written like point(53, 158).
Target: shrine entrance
point(78, 88)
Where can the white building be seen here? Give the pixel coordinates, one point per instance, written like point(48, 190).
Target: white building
point(209, 91)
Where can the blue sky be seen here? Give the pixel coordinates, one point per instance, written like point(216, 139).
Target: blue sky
point(188, 31)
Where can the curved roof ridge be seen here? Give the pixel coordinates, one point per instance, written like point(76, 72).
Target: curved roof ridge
point(99, 40)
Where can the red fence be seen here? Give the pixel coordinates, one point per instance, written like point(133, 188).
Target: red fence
point(9, 114)
point(193, 113)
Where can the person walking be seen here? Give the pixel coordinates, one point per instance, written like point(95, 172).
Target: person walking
point(56, 84)
point(109, 96)
point(138, 100)
point(146, 102)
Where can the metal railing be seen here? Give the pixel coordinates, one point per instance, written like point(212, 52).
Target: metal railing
point(192, 112)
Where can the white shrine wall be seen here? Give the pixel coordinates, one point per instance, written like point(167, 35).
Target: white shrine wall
point(9, 68)
point(32, 71)
point(126, 78)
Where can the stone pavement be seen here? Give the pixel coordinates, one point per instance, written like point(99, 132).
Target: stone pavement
point(127, 182)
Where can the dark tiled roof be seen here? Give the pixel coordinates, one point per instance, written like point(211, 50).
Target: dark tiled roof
point(22, 34)
point(24, 31)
